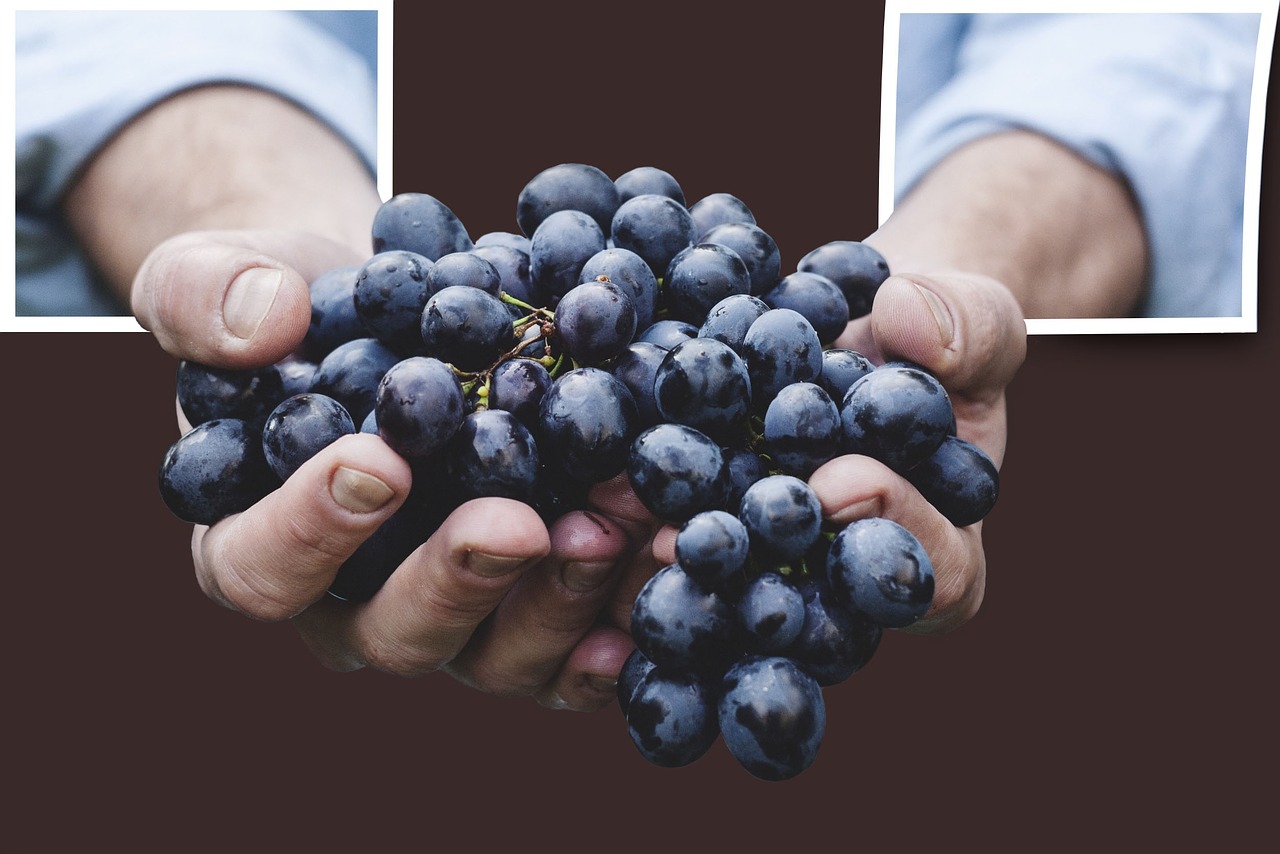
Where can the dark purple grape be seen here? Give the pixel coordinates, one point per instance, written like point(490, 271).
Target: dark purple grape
point(215, 470)
point(503, 238)
point(802, 429)
point(772, 717)
point(334, 319)
point(771, 613)
point(419, 407)
point(704, 384)
point(959, 480)
point(463, 269)
point(300, 427)
point(493, 454)
point(834, 643)
point(699, 277)
point(680, 626)
point(351, 372)
point(745, 467)
point(567, 186)
point(757, 249)
point(718, 209)
point(878, 568)
point(672, 718)
point(628, 271)
point(654, 227)
point(897, 415)
point(206, 393)
point(560, 248)
point(648, 180)
point(637, 366)
point(668, 333)
point(856, 268)
point(517, 386)
point(841, 368)
point(595, 321)
point(587, 422)
point(816, 297)
point(729, 319)
point(467, 327)
point(634, 669)
point(418, 223)
point(712, 547)
point(677, 472)
point(784, 517)
point(514, 276)
point(781, 348)
point(389, 295)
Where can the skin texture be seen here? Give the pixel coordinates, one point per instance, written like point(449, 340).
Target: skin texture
point(222, 243)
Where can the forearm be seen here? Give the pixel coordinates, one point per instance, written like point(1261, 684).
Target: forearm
point(1062, 234)
point(217, 157)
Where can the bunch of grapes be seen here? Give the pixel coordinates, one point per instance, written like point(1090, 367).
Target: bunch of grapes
point(620, 330)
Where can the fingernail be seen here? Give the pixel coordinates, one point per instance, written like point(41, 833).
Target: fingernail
point(584, 576)
point(249, 299)
point(602, 684)
point(946, 328)
point(357, 491)
point(865, 509)
point(492, 566)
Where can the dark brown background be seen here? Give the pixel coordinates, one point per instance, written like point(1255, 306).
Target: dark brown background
point(1114, 686)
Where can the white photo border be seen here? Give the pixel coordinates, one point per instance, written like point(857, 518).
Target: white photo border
point(9, 321)
point(1267, 9)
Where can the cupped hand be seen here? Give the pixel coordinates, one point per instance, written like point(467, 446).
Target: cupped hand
point(493, 596)
point(969, 331)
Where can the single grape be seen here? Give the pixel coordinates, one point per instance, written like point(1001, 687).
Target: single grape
point(514, 275)
point(680, 626)
point(744, 467)
point(757, 249)
point(802, 429)
point(898, 415)
point(560, 248)
point(419, 407)
point(215, 470)
point(595, 321)
point(467, 327)
point(567, 186)
point(493, 454)
point(677, 472)
point(783, 516)
point(704, 384)
point(351, 372)
point(390, 293)
point(503, 238)
point(730, 318)
point(206, 393)
point(718, 209)
point(517, 386)
point(699, 277)
point(772, 716)
point(856, 268)
point(654, 227)
point(816, 297)
point(587, 421)
point(628, 271)
point(841, 368)
point(334, 319)
point(712, 547)
point(637, 366)
point(672, 718)
point(878, 568)
point(418, 223)
point(834, 642)
point(634, 669)
point(463, 269)
point(781, 348)
point(667, 333)
point(300, 427)
point(771, 613)
point(648, 179)
point(959, 480)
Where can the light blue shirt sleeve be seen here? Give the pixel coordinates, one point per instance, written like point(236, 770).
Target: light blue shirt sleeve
point(1161, 99)
point(80, 76)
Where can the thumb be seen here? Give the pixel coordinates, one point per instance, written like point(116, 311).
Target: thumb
point(232, 299)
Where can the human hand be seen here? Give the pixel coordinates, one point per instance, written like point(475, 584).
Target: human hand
point(493, 596)
point(969, 331)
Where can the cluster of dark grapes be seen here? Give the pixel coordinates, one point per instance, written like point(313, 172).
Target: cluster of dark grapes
point(620, 331)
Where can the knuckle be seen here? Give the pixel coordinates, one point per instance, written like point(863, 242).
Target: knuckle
point(397, 659)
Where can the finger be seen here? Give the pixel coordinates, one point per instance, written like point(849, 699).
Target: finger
point(589, 678)
point(232, 299)
point(548, 611)
point(856, 487)
point(432, 604)
point(276, 558)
